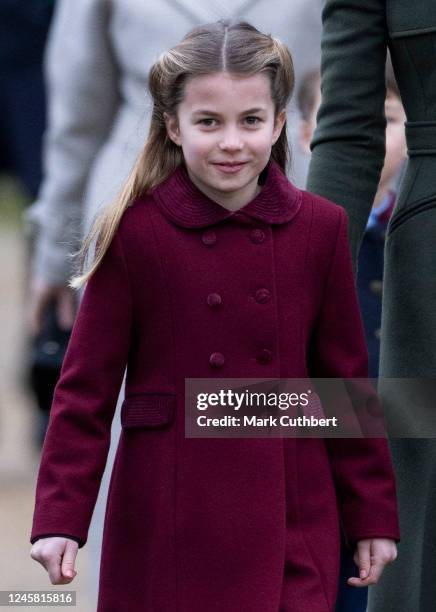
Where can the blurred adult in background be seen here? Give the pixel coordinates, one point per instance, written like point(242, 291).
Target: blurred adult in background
point(371, 254)
point(23, 31)
point(24, 27)
point(348, 155)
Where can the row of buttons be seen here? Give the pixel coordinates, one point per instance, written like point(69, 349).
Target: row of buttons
point(257, 236)
point(214, 300)
point(262, 296)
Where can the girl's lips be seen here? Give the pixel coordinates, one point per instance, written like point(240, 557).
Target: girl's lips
point(230, 168)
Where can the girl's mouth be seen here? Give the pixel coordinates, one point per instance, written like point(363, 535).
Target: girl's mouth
point(230, 168)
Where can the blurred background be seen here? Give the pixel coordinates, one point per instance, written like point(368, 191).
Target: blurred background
point(24, 28)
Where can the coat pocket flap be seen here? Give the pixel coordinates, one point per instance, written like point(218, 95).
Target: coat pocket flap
point(148, 410)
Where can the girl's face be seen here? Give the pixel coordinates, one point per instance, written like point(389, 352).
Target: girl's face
point(226, 128)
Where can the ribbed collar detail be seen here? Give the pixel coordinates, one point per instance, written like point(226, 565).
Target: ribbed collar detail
point(185, 205)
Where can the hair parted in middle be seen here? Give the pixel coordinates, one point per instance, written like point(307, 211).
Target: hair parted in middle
point(229, 46)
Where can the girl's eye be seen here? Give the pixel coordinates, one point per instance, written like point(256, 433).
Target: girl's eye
point(207, 122)
point(210, 122)
point(252, 120)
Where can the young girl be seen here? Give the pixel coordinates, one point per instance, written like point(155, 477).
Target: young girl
point(212, 264)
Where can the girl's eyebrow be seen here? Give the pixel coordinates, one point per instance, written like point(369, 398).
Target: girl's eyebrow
point(210, 112)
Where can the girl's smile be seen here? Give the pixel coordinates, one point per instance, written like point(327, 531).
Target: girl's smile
point(226, 127)
point(228, 167)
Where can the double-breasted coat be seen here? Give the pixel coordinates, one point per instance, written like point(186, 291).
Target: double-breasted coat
point(347, 159)
point(190, 289)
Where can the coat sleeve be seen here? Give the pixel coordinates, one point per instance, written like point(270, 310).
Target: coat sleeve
point(77, 442)
point(361, 467)
point(349, 141)
point(83, 96)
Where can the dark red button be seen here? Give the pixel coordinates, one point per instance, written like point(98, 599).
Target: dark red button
point(264, 356)
point(216, 360)
point(209, 238)
point(257, 236)
point(263, 296)
point(214, 300)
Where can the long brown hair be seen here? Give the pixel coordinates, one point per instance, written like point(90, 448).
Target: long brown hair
point(224, 46)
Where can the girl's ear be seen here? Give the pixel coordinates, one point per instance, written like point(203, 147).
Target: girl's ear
point(278, 125)
point(172, 125)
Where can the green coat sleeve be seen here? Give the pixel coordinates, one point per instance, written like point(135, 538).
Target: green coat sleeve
point(349, 141)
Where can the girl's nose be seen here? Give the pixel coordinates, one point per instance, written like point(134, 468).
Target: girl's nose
point(231, 141)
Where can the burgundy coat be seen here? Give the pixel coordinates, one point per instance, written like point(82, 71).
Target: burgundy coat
point(213, 525)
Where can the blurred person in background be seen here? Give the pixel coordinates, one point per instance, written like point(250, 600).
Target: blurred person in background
point(23, 31)
point(348, 155)
point(99, 55)
point(24, 27)
point(371, 255)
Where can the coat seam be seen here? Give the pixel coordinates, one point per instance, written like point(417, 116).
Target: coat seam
point(398, 212)
point(303, 358)
point(342, 218)
point(117, 237)
point(303, 536)
point(305, 275)
point(125, 266)
point(297, 465)
point(410, 213)
point(422, 96)
point(412, 32)
point(171, 309)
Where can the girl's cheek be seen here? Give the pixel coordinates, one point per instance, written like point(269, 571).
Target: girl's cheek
point(205, 140)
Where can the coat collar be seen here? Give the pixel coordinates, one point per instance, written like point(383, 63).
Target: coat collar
point(184, 204)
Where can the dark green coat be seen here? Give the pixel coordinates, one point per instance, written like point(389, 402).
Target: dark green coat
point(348, 154)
